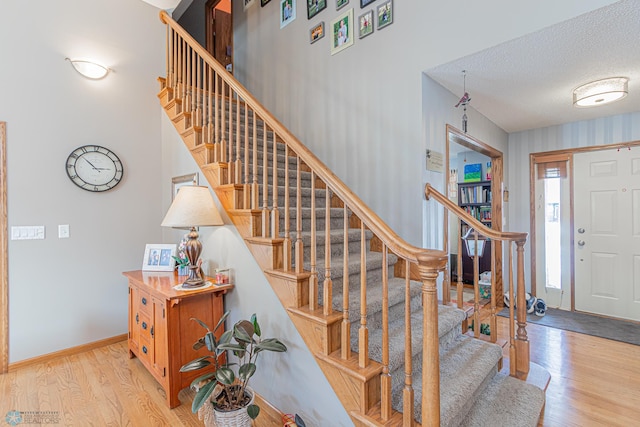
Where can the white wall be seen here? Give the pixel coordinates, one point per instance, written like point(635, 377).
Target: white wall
point(603, 131)
point(67, 292)
point(360, 110)
point(283, 379)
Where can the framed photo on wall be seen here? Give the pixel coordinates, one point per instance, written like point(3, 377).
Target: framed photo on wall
point(263, 3)
point(316, 33)
point(341, 3)
point(342, 32)
point(385, 14)
point(159, 257)
point(365, 3)
point(287, 12)
point(248, 3)
point(314, 7)
point(365, 24)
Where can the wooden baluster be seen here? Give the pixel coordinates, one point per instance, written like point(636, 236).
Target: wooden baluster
point(287, 231)
point(167, 56)
point(231, 165)
point(407, 391)
point(430, 345)
point(512, 332)
point(216, 115)
point(385, 380)
point(299, 254)
point(223, 123)
point(255, 189)
point(313, 279)
point(187, 75)
point(265, 184)
point(275, 213)
point(197, 102)
point(211, 112)
point(446, 288)
point(181, 66)
point(522, 341)
point(246, 189)
point(363, 332)
point(238, 166)
point(476, 287)
point(345, 344)
point(194, 100)
point(460, 285)
point(327, 289)
point(493, 320)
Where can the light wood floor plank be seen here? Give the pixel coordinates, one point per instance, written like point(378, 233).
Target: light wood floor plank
point(594, 382)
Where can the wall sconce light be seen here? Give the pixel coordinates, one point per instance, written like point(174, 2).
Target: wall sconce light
point(600, 92)
point(473, 239)
point(89, 69)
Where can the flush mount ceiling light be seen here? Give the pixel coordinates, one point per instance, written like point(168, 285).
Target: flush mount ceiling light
point(89, 69)
point(601, 92)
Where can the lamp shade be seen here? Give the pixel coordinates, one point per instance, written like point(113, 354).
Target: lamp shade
point(89, 69)
point(470, 242)
point(600, 92)
point(192, 207)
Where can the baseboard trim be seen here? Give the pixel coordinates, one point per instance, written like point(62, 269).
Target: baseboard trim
point(67, 352)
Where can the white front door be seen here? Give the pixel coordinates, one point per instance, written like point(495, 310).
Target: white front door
point(607, 232)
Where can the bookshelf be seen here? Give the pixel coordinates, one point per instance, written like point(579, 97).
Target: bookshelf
point(475, 199)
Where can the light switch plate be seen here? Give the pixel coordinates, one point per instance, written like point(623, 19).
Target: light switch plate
point(63, 231)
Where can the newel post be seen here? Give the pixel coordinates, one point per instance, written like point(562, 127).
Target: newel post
point(430, 267)
point(522, 341)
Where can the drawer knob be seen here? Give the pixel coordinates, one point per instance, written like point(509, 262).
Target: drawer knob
point(144, 349)
point(137, 318)
point(144, 301)
point(144, 325)
point(152, 331)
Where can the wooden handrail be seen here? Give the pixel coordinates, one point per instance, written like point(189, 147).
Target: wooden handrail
point(394, 242)
point(474, 223)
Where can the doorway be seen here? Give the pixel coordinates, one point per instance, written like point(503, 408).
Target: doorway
point(459, 142)
point(219, 31)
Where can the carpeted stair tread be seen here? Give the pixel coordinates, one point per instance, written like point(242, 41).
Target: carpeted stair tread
point(466, 367)
point(506, 402)
point(449, 319)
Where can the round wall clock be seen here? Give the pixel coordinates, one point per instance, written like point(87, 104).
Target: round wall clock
point(94, 168)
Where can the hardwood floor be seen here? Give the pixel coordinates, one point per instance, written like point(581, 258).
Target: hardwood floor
point(594, 382)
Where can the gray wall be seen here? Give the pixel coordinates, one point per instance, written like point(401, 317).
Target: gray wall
point(193, 20)
point(360, 110)
point(68, 292)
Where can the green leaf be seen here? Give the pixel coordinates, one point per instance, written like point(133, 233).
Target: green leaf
point(194, 365)
point(253, 411)
point(225, 376)
point(221, 321)
point(204, 377)
point(246, 371)
point(256, 326)
point(210, 340)
point(202, 396)
point(299, 421)
point(243, 331)
point(270, 344)
point(231, 346)
point(204, 325)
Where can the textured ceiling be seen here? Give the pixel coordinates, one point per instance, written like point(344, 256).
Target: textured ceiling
point(528, 82)
point(163, 4)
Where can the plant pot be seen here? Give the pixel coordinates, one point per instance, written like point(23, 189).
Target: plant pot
point(213, 417)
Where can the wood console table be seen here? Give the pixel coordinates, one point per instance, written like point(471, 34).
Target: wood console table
point(161, 333)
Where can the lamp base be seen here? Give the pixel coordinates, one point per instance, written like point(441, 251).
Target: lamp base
point(194, 280)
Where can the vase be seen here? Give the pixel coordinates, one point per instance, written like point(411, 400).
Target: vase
point(183, 270)
point(213, 417)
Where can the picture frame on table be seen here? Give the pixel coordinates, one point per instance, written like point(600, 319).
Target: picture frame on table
point(365, 24)
point(178, 182)
point(316, 33)
point(341, 3)
point(385, 14)
point(159, 257)
point(314, 7)
point(287, 12)
point(342, 32)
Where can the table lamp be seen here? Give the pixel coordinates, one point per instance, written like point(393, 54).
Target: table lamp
point(193, 207)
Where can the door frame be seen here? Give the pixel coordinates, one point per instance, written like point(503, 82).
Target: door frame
point(455, 135)
point(4, 256)
point(564, 152)
point(209, 39)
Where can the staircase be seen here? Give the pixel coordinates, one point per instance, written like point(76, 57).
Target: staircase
point(364, 301)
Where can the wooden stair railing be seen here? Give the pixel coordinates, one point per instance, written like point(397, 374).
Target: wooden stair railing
point(518, 340)
point(247, 156)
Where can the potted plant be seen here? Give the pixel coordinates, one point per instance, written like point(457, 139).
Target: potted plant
point(227, 390)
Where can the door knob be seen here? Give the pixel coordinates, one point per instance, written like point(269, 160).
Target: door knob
point(580, 230)
point(580, 242)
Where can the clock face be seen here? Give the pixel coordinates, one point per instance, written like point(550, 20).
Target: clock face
point(94, 168)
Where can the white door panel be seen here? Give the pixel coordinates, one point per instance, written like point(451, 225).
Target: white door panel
point(607, 232)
